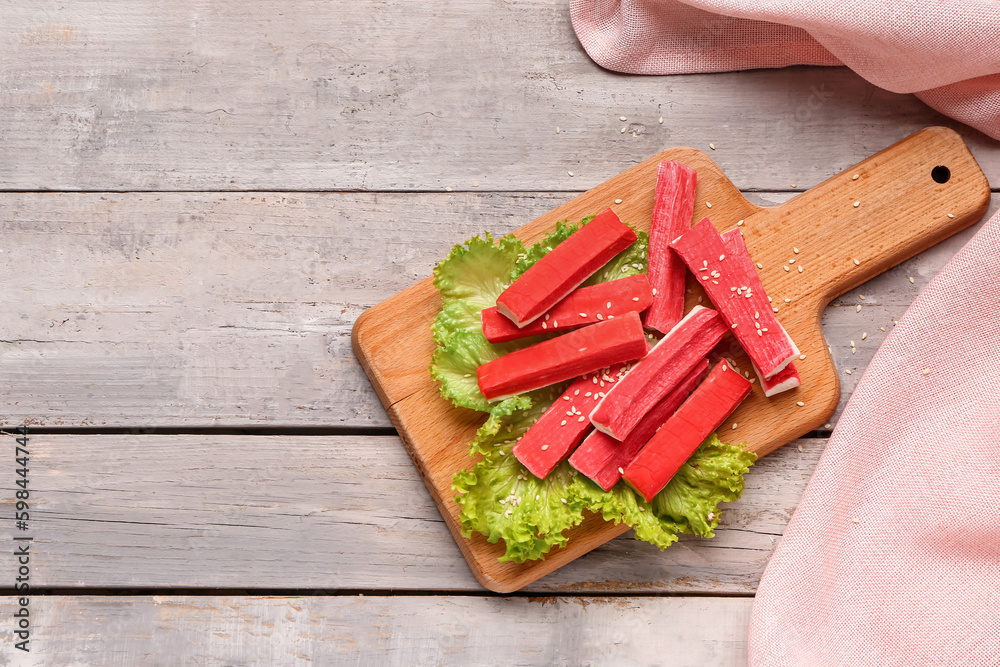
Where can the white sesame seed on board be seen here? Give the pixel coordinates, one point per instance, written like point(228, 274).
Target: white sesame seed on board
point(788, 300)
point(795, 250)
point(857, 263)
point(739, 224)
point(791, 261)
point(708, 204)
point(855, 177)
point(618, 201)
point(950, 215)
point(774, 309)
point(786, 268)
point(800, 404)
point(800, 268)
point(802, 356)
point(759, 265)
point(857, 204)
point(734, 426)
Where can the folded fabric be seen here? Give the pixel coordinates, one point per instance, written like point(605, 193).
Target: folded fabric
point(893, 554)
point(945, 51)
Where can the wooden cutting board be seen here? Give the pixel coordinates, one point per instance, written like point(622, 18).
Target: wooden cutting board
point(847, 229)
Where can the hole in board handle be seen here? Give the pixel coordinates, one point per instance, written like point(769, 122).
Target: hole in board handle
point(941, 174)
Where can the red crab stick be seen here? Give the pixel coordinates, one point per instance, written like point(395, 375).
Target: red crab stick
point(562, 270)
point(673, 207)
point(583, 306)
point(737, 292)
point(602, 458)
point(659, 373)
point(564, 424)
point(788, 377)
point(675, 442)
point(563, 358)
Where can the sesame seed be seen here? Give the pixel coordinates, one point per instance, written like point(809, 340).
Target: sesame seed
point(544, 447)
point(950, 215)
point(623, 130)
point(699, 298)
point(774, 309)
point(705, 277)
point(802, 356)
point(563, 499)
point(715, 282)
point(857, 263)
point(800, 268)
point(788, 300)
point(621, 471)
point(848, 371)
point(795, 250)
point(752, 380)
point(570, 173)
point(567, 398)
point(759, 265)
point(800, 404)
point(599, 316)
point(759, 332)
point(857, 204)
point(864, 335)
point(855, 177)
point(554, 323)
point(563, 423)
point(583, 314)
point(712, 146)
point(558, 129)
point(581, 419)
point(735, 324)
point(926, 371)
point(708, 204)
point(447, 189)
point(618, 201)
point(786, 268)
point(858, 309)
point(734, 426)
point(739, 224)
point(622, 118)
point(764, 329)
point(661, 120)
point(654, 291)
point(791, 261)
point(756, 315)
point(910, 279)
point(545, 325)
point(721, 257)
point(608, 305)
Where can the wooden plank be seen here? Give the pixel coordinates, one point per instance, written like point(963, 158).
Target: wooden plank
point(208, 95)
point(842, 246)
point(179, 309)
point(184, 630)
point(326, 513)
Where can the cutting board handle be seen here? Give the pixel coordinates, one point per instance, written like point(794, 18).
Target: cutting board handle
point(872, 216)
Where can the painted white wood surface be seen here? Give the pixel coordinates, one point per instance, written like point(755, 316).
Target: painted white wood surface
point(90, 631)
point(199, 310)
point(398, 95)
point(328, 513)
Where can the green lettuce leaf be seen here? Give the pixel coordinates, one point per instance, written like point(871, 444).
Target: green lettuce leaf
point(689, 503)
point(478, 271)
point(454, 365)
point(502, 500)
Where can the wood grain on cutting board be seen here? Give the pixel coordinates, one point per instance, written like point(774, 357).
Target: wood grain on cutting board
point(847, 229)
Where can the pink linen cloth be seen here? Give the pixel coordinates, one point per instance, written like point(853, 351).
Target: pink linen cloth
point(893, 554)
point(947, 52)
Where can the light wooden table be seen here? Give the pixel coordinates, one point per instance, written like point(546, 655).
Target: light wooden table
point(198, 200)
